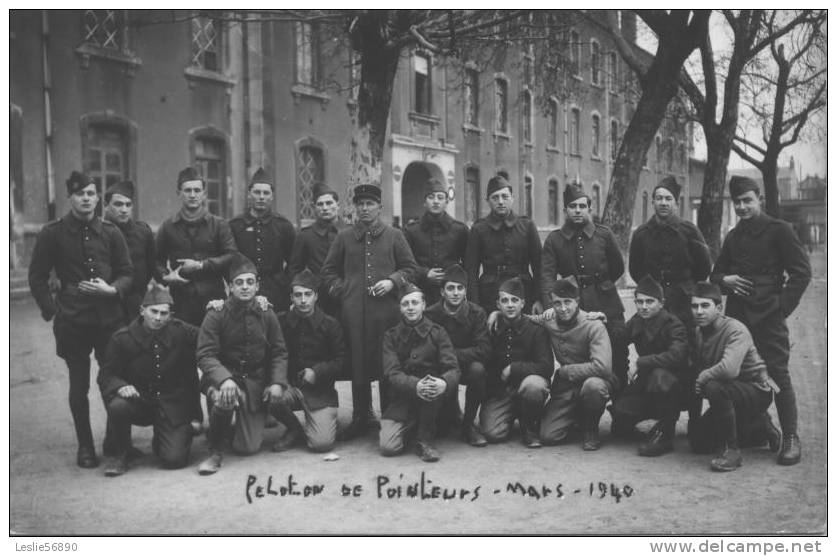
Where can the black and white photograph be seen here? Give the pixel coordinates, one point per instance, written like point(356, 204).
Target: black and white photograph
point(424, 272)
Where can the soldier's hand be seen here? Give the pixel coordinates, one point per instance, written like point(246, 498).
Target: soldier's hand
point(307, 375)
point(174, 277)
point(505, 373)
point(273, 394)
point(738, 284)
point(215, 305)
point(382, 287)
point(128, 391)
point(537, 308)
point(597, 315)
point(698, 388)
point(436, 275)
point(549, 314)
point(492, 321)
point(423, 389)
point(263, 303)
point(228, 394)
point(96, 286)
point(190, 265)
point(436, 387)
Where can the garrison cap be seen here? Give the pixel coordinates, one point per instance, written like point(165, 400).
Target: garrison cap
point(669, 183)
point(78, 181)
point(455, 273)
point(566, 288)
point(157, 295)
point(707, 290)
point(513, 286)
point(260, 176)
point(125, 188)
point(434, 185)
point(367, 191)
point(188, 174)
point(650, 287)
point(572, 192)
point(321, 189)
point(406, 288)
point(495, 184)
point(738, 185)
point(306, 279)
point(241, 265)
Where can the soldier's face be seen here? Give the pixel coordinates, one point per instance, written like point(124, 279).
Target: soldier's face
point(436, 203)
point(565, 307)
point(155, 317)
point(260, 196)
point(706, 311)
point(244, 286)
point(119, 208)
point(83, 202)
point(192, 194)
point(646, 306)
point(578, 211)
point(747, 205)
point(412, 306)
point(304, 300)
point(664, 202)
point(510, 305)
point(326, 207)
point(368, 210)
point(501, 201)
point(453, 293)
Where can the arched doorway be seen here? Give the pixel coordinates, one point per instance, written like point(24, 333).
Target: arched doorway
point(412, 188)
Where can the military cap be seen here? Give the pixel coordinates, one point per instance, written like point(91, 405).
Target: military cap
point(260, 176)
point(738, 185)
point(157, 295)
point(78, 181)
point(572, 192)
point(455, 273)
point(707, 290)
point(306, 279)
point(321, 189)
point(188, 174)
point(406, 288)
point(566, 288)
point(125, 188)
point(495, 184)
point(513, 286)
point(650, 287)
point(241, 265)
point(434, 185)
point(669, 183)
point(367, 191)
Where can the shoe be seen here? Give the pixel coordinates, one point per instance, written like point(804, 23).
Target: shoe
point(358, 427)
point(729, 460)
point(116, 465)
point(426, 451)
point(86, 457)
point(591, 438)
point(531, 439)
point(211, 464)
point(774, 437)
point(657, 444)
point(791, 450)
point(291, 438)
point(473, 436)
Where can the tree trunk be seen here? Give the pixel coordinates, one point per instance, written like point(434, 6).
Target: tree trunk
point(710, 214)
point(769, 174)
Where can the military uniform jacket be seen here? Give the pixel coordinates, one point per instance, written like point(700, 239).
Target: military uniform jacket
point(505, 248)
point(661, 342)
point(80, 251)
point(160, 365)
point(437, 242)
point(411, 352)
point(582, 348)
point(244, 343)
point(467, 328)
point(763, 249)
point(143, 252)
point(522, 344)
point(592, 256)
point(311, 246)
point(268, 242)
point(208, 239)
point(314, 342)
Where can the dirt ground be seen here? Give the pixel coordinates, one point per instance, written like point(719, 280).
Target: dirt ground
point(673, 494)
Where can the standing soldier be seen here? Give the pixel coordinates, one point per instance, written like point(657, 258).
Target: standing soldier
point(437, 240)
point(755, 258)
point(589, 252)
point(266, 238)
point(363, 267)
point(670, 250)
point(119, 202)
point(90, 258)
point(506, 246)
point(312, 243)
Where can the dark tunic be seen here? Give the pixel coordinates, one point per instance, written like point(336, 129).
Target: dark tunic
point(356, 261)
point(525, 346)
point(314, 342)
point(79, 251)
point(504, 248)
point(675, 254)
point(161, 365)
point(437, 242)
point(140, 240)
point(410, 352)
point(468, 331)
point(661, 342)
point(267, 241)
point(309, 251)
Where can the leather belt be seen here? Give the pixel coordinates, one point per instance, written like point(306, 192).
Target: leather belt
point(587, 280)
point(505, 269)
point(668, 277)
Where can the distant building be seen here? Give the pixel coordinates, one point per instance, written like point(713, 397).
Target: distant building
point(808, 212)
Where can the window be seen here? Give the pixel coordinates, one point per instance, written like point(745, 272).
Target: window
point(354, 75)
point(472, 97)
point(596, 134)
point(421, 72)
point(554, 209)
point(527, 116)
point(575, 52)
point(618, 19)
point(553, 123)
point(612, 72)
point(529, 65)
point(614, 139)
point(597, 201)
point(206, 43)
point(307, 54)
point(595, 63)
point(106, 154)
point(527, 181)
point(106, 29)
point(472, 194)
point(210, 161)
point(501, 105)
point(575, 121)
point(309, 170)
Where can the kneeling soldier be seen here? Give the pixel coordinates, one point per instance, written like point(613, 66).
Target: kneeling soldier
point(584, 380)
point(518, 370)
point(242, 354)
point(150, 378)
point(316, 354)
point(465, 323)
point(733, 377)
point(420, 368)
point(660, 383)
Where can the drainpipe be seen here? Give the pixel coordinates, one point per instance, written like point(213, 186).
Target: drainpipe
point(48, 117)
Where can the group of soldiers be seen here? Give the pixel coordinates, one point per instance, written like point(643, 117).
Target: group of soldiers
point(535, 332)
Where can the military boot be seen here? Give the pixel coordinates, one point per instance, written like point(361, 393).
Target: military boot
point(211, 464)
point(729, 459)
point(590, 426)
point(531, 437)
point(791, 449)
point(660, 440)
point(116, 465)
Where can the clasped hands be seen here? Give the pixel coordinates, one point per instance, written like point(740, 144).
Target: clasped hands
point(430, 387)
